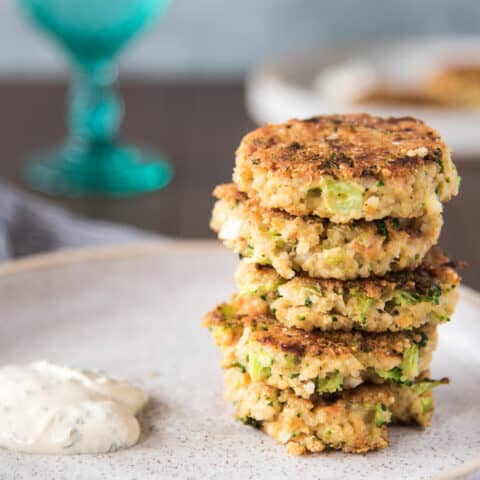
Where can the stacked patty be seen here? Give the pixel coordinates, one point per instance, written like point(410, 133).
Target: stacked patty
point(341, 288)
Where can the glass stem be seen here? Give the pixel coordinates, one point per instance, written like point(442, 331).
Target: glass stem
point(95, 110)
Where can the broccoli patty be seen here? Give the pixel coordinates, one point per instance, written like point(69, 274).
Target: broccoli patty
point(347, 167)
point(399, 301)
point(317, 362)
point(352, 421)
point(319, 247)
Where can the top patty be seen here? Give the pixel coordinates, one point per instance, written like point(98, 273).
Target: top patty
point(346, 167)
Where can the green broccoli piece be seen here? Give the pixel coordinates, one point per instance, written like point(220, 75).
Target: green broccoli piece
point(292, 360)
point(408, 368)
point(405, 298)
point(409, 365)
point(343, 197)
point(252, 422)
point(382, 415)
point(423, 386)
point(227, 311)
point(394, 374)
point(330, 384)
point(259, 366)
point(364, 303)
point(239, 366)
point(427, 404)
point(382, 228)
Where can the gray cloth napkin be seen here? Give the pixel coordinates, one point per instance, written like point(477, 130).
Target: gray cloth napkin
point(29, 224)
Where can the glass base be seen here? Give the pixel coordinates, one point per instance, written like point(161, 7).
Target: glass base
point(107, 170)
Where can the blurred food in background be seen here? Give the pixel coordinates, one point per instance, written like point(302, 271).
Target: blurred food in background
point(436, 79)
point(455, 85)
point(185, 83)
point(449, 86)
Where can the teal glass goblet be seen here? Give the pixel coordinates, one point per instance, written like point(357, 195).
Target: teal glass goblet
point(92, 160)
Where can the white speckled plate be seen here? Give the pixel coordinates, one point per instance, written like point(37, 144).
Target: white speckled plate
point(135, 312)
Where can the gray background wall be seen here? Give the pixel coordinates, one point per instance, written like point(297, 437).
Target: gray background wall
point(211, 38)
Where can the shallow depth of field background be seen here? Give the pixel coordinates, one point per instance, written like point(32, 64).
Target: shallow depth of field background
point(183, 83)
point(217, 39)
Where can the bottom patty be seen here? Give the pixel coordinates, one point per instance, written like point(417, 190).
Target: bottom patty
point(353, 421)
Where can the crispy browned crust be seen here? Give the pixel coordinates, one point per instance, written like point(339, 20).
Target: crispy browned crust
point(366, 393)
point(343, 146)
point(435, 269)
point(267, 331)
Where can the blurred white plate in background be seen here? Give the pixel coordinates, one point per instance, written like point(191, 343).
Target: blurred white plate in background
point(292, 86)
point(134, 311)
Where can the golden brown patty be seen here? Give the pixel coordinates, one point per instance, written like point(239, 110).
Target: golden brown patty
point(347, 167)
point(317, 362)
point(399, 301)
point(319, 247)
point(352, 421)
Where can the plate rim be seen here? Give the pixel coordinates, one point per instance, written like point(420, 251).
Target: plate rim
point(69, 256)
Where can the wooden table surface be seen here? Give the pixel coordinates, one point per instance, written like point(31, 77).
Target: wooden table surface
point(198, 126)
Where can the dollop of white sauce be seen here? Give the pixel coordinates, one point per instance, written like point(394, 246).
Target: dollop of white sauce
point(47, 408)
